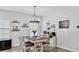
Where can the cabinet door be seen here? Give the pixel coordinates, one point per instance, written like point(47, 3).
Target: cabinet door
point(0, 45)
point(8, 44)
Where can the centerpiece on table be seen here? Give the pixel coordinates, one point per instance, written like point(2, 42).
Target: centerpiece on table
point(34, 32)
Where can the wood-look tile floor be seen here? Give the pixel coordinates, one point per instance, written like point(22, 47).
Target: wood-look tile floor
point(49, 49)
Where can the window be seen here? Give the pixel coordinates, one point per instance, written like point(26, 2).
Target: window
point(4, 29)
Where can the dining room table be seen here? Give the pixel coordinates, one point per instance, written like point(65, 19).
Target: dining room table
point(38, 41)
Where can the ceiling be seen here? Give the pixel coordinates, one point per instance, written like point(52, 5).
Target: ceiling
point(40, 10)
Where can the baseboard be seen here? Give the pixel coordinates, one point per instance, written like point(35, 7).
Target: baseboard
point(73, 50)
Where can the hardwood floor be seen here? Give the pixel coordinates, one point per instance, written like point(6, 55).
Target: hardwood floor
point(48, 49)
point(56, 49)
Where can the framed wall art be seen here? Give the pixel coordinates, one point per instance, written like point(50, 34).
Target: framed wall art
point(64, 24)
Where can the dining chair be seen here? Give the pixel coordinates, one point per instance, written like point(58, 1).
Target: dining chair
point(38, 46)
point(46, 42)
point(26, 45)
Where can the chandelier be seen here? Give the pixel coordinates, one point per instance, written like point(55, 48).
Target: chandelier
point(34, 19)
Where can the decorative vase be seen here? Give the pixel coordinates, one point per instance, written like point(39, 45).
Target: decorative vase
point(34, 32)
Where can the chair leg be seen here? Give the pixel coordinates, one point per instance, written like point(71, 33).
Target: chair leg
point(45, 47)
point(42, 48)
point(33, 49)
point(24, 50)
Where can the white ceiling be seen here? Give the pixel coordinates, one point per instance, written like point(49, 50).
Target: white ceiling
point(40, 10)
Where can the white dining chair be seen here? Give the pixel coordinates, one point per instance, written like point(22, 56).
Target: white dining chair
point(45, 43)
point(26, 45)
point(38, 47)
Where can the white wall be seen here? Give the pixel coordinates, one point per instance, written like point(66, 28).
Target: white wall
point(22, 18)
point(67, 38)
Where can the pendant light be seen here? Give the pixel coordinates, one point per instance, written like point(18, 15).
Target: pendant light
point(34, 19)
